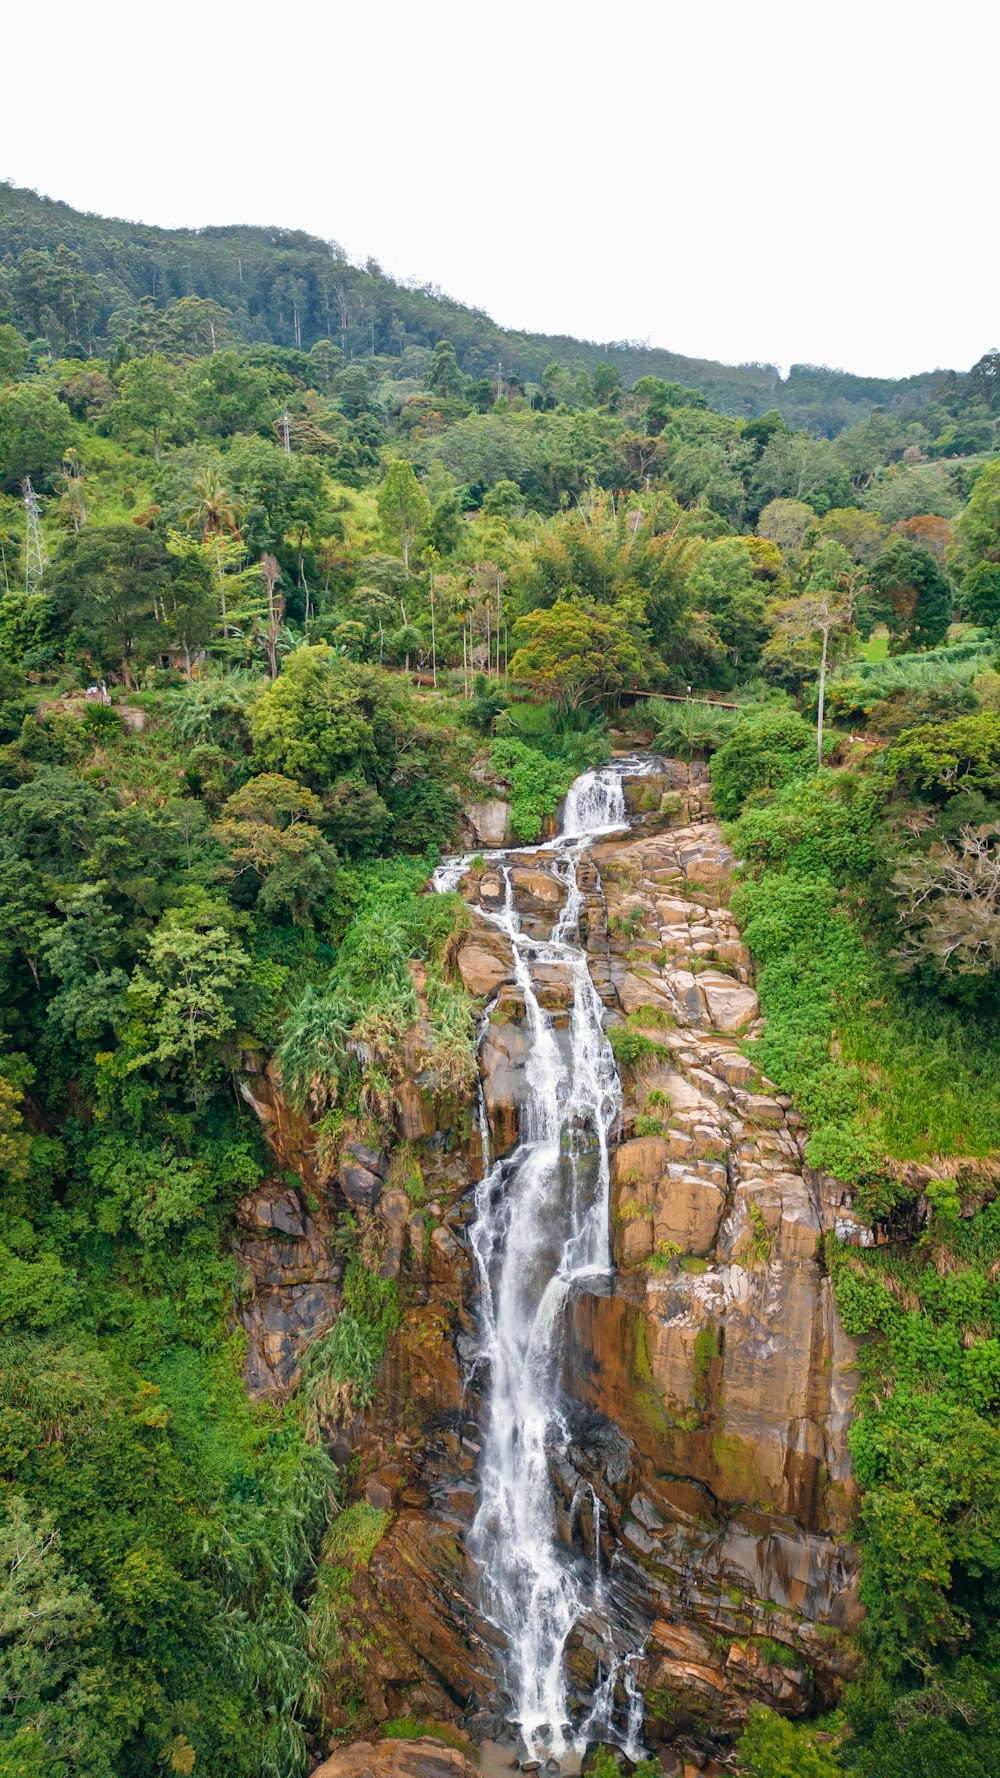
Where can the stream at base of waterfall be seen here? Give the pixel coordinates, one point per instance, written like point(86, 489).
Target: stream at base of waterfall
point(540, 1234)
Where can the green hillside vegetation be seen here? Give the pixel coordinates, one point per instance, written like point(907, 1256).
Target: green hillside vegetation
point(78, 278)
point(328, 596)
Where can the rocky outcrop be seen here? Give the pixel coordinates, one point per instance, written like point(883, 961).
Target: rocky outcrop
point(716, 1357)
point(289, 1282)
point(398, 1759)
point(711, 1382)
point(489, 823)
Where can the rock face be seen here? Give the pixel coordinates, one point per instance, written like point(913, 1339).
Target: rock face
point(291, 1283)
point(398, 1759)
point(489, 822)
point(716, 1356)
point(710, 1380)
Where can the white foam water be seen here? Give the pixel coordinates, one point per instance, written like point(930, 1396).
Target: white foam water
point(540, 1233)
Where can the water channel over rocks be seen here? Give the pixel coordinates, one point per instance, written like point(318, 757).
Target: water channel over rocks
point(541, 1234)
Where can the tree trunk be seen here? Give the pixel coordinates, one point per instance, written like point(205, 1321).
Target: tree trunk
point(822, 696)
point(222, 594)
point(434, 665)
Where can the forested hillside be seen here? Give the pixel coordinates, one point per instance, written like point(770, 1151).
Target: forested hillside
point(287, 584)
point(289, 289)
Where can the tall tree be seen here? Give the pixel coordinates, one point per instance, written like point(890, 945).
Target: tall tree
point(575, 654)
point(916, 593)
point(211, 508)
point(217, 514)
point(147, 398)
point(723, 584)
point(444, 376)
point(270, 575)
point(182, 1001)
point(403, 508)
point(112, 581)
point(35, 431)
point(977, 529)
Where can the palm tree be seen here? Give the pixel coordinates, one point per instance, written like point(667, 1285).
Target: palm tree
point(462, 605)
point(213, 510)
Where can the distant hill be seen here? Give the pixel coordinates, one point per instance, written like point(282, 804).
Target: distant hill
point(291, 288)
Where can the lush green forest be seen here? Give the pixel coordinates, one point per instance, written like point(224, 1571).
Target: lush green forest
point(285, 576)
point(290, 289)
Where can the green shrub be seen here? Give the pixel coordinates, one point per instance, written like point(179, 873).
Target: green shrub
point(354, 1533)
point(773, 1748)
point(630, 1046)
point(946, 757)
point(825, 821)
point(416, 1728)
point(768, 746)
point(646, 1124)
point(864, 689)
point(37, 1292)
point(339, 1367)
point(689, 730)
point(536, 784)
point(627, 922)
point(924, 1443)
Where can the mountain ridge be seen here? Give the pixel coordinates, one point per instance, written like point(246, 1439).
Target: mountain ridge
point(291, 288)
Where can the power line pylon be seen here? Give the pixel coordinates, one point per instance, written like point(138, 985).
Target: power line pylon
point(34, 542)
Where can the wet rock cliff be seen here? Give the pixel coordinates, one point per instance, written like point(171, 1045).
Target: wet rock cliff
point(704, 1471)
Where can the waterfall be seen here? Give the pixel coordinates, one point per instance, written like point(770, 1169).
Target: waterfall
point(595, 804)
point(540, 1233)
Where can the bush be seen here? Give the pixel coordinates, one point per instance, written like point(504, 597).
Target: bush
point(871, 691)
point(630, 1045)
point(485, 706)
point(339, 1368)
point(774, 1748)
point(829, 821)
point(946, 757)
point(810, 960)
point(689, 731)
point(767, 747)
point(537, 784)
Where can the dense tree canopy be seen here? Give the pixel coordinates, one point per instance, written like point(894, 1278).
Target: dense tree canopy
point(306, 577)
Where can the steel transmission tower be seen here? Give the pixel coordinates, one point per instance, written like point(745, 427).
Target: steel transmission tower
point(34, 543)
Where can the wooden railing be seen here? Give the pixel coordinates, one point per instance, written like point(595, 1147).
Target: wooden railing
point(676, 697)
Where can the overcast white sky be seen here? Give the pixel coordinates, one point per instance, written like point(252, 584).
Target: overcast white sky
point(782, 181)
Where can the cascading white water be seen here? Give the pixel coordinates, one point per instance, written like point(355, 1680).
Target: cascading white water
point(541, 1230)
point(595, 804)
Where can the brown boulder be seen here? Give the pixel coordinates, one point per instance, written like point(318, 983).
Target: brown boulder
point(274, 1207)
point(481, 971)
point(687, 1210)
point(397, 1759)
point(359, 1187)
point(502, 1062)
point(731, 1006)
point(537, 886)
point(490, 822)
